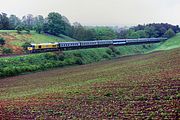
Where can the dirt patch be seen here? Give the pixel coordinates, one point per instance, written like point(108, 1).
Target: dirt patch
point(9, 40)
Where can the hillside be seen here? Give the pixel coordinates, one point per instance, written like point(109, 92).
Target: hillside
point(170, 44)
point(11, 66)
point(136, 87)
point(15, 40)
point(45, 61)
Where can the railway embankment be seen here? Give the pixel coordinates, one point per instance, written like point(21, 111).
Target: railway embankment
point(11, 66)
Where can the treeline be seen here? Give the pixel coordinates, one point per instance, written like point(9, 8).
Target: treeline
point(149, 31)
point(56, 24)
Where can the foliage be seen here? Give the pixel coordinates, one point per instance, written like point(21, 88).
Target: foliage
point(55, 24)
point(2, 41)
point(38, 29)
point(7, 50)
point(82, 33)
point(104, 33)
point(149, 30)
point(19, 28)
point(14, 21)
point(169, 33)
point(51, 60)
point(28, 21)
point(25, 45)
point(4, 22)
point(27, 29)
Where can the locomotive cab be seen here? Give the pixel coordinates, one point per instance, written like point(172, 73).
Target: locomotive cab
point(30, 48)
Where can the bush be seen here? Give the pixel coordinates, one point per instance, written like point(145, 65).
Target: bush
point(169, 33)
point(113, 49)
point(61, 57)
point(79, 61)
point(77, 54)
point(27, 29)
point(25, 45)
point(2, 41)
point(19, 28)
point(106, 56)
point(7, 51)
point(109, 51)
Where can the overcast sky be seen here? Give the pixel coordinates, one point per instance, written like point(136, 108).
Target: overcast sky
point(100, 12)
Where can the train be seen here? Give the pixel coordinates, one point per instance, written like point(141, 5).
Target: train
point(46, 47)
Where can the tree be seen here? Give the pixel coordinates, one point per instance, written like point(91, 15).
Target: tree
point(151, 32)
point(169, 33)
point(4, 21)
point(55, 24)
point(132, 34)
point(67, 27)
point(78, 31)
point(90, 34)
point(28, 21)
point(142, 34)
point(104, 33)
point(38, 28)
point(156, 29)
point(19, 28)
point(2, 41)
point(14, 22)
point(122, 34)
point(39, 21)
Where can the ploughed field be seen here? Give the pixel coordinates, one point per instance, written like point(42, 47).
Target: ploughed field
point(143, 86)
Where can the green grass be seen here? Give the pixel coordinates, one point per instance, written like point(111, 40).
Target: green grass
point(170, 44)
point(137, 86)
point(35, 62)
point(7, 31)
point(42, 38)
point(33, 37)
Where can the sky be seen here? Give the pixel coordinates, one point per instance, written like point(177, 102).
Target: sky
point(100, 12)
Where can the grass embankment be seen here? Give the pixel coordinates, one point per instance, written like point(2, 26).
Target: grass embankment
point(14, 40)
point(22, 64)
point(170, 44)
point(136, 87)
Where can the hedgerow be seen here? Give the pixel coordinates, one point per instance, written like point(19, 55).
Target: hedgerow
point(37, 62)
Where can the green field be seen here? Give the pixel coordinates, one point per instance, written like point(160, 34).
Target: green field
point(135, 87)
